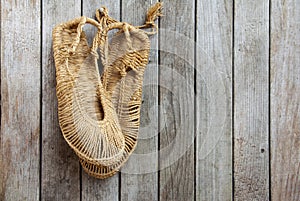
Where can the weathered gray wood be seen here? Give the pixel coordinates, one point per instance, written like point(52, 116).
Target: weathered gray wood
point(60, 166)
point(214, 100)
point(285, 100)
point(20, 100)
point(251, 71)
point(176, 156)
point(139, 178)
point(96, 189)
point(60, 173)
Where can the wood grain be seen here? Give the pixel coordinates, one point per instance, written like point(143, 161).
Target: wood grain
point(96, 189)
point(177, 131)
point(285, 100)
point(251, 100)
point(139, 178)
point(214, 100)
point(60, 166)
point(20, 100)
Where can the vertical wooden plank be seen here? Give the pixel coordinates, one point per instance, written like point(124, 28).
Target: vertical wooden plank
point(60, 166)
point(20, 100)
point(285, 100)
point(214, 100)
point(251, 100)
point(96, 189)
point(176, 158)
point(141, 183)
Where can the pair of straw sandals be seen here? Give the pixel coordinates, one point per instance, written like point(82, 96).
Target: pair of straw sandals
point(99, 115)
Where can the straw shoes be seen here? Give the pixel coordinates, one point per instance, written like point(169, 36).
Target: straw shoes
point(99, 115)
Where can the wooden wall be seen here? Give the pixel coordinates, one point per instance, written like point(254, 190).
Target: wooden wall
point(220, 114)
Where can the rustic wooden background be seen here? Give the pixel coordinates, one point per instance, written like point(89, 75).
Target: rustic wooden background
point(222, 100)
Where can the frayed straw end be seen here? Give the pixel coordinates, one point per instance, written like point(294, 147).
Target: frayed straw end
point(101, 12)
point(154, 12)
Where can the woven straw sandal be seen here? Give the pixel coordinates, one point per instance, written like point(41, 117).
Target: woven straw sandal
point(99, 118)
point(123, 86)
point(124, 59)
point(87, 118)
